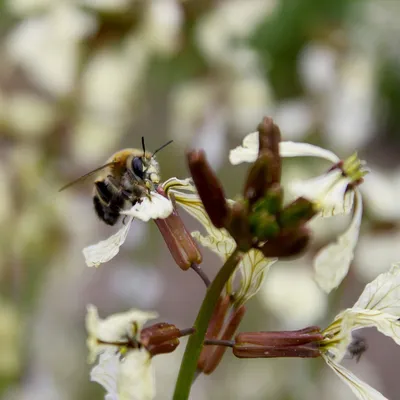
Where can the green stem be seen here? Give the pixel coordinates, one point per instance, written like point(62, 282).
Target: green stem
point(195, 342)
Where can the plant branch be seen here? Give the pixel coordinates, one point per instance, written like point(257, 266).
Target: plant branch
point(196, 268)
point(195, 343)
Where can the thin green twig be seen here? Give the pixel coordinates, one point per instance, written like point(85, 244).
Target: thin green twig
point(195, 342)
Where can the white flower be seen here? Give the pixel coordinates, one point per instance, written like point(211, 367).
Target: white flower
point(152, 207)
point(129, 379)
point(115, 331)
point(253, 266)
point(334, 192)
point(124, 368)
point(379, 307)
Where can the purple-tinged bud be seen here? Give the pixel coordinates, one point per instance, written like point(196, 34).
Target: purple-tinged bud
point(269, 138)
point(208, 187)
point(303, 343)
point(214, 328)
point(180, 242)
point(238, 226)
point(160, 338)
point(230, 328)
point(260, 177)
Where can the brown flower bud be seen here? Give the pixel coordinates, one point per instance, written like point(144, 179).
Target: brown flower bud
point(260, 177)
point(297, 213)
point(208, 187)
point(160, 338)
point(272, 200)
point(180, 242)
point(303, 343)
point(269, 138)
point(214, 328)
point(219, 351)
point(287, 244)
point(238, 226)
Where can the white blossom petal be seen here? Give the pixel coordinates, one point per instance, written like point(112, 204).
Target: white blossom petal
point(153, 207)
point(223, 245)
point(327, 191)
point(361, 389)
point(248, 151)
point(383, 293)
point(254, 268)
point(295, 149)
point(113, 329)
point(128, 378)
point(107, 249)
point(332, 262)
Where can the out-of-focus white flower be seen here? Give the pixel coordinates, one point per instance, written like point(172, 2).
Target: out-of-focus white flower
point(153, 207)
point(229, 22)
point(27, 114)
point(333, 193)
point(47, 46)
point(124, 367)
point(292, 295)
point(378, 306)
point(254, 265)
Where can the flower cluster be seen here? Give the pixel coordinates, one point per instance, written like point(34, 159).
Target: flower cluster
point(250, 234)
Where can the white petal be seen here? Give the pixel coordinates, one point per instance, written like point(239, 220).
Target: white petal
point(253, 268)
point(383, 293)
point(128, 378)
point(332, 263)
point(107, 249)
point(361, 389)
point(295, 149)
point(223, 245)
point(175, 183)
point(327, 191)
point(248, 152)
point(157, 206)
point(106, 371)
point(136, 377)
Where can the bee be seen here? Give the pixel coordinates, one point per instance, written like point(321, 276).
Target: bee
point(125, 179)
point(357, 347)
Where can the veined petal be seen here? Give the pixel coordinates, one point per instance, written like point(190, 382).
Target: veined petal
point(332, 263)
point(223, 246)
point(383, 293)
point(175, 183)
point(361, 389)
point(387, 324)
point(128, 378)
point(248, 151)
point(107, 249)
point(153, 207)
point(253, 268)
point(327, 191)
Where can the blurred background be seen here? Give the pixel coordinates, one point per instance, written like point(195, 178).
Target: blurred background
point(81, 79)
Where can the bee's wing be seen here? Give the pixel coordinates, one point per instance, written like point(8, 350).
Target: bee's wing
point(89, 174)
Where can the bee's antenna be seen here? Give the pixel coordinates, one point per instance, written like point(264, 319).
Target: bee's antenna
point(143, 146)
point(160, 148)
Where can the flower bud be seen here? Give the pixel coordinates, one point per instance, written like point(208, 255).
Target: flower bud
point(238, 226)
point(160, 338)
point(263, 225)
point(230, 328)
point(180, 242)
point(297, 213)
point(260, 176)
point(272, 200)
point(302, 343)
point(287, 244)
point(269, 138)
point(208, 187)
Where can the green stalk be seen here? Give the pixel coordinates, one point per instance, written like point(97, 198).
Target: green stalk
point(195, 342)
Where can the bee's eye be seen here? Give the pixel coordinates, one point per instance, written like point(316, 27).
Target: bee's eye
point(137, 167)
